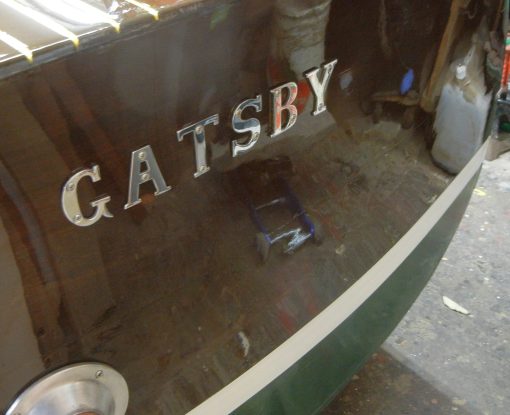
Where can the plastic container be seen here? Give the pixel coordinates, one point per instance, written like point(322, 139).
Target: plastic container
point(461, 114)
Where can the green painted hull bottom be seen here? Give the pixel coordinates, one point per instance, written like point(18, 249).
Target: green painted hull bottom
point(309, 384)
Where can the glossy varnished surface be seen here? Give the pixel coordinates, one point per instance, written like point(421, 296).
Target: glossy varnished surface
point(51, 30)
point(172, 292)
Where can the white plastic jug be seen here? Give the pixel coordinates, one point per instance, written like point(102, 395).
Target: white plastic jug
point(461, 115)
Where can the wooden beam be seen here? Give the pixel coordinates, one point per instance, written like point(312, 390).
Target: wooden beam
point(432, 91)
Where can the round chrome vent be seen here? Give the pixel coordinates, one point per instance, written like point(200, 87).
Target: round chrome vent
point(78, 389)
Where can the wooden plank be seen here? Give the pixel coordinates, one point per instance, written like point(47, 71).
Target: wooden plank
point(429, 96)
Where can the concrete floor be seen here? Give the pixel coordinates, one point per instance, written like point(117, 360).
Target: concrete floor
point(439, 361)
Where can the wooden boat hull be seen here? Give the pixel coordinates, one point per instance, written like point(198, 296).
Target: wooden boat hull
point(199, 201)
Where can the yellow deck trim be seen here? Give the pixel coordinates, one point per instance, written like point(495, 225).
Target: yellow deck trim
point(149, 9)
point(101, 16)
point(43, 20)
point(17, 45)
